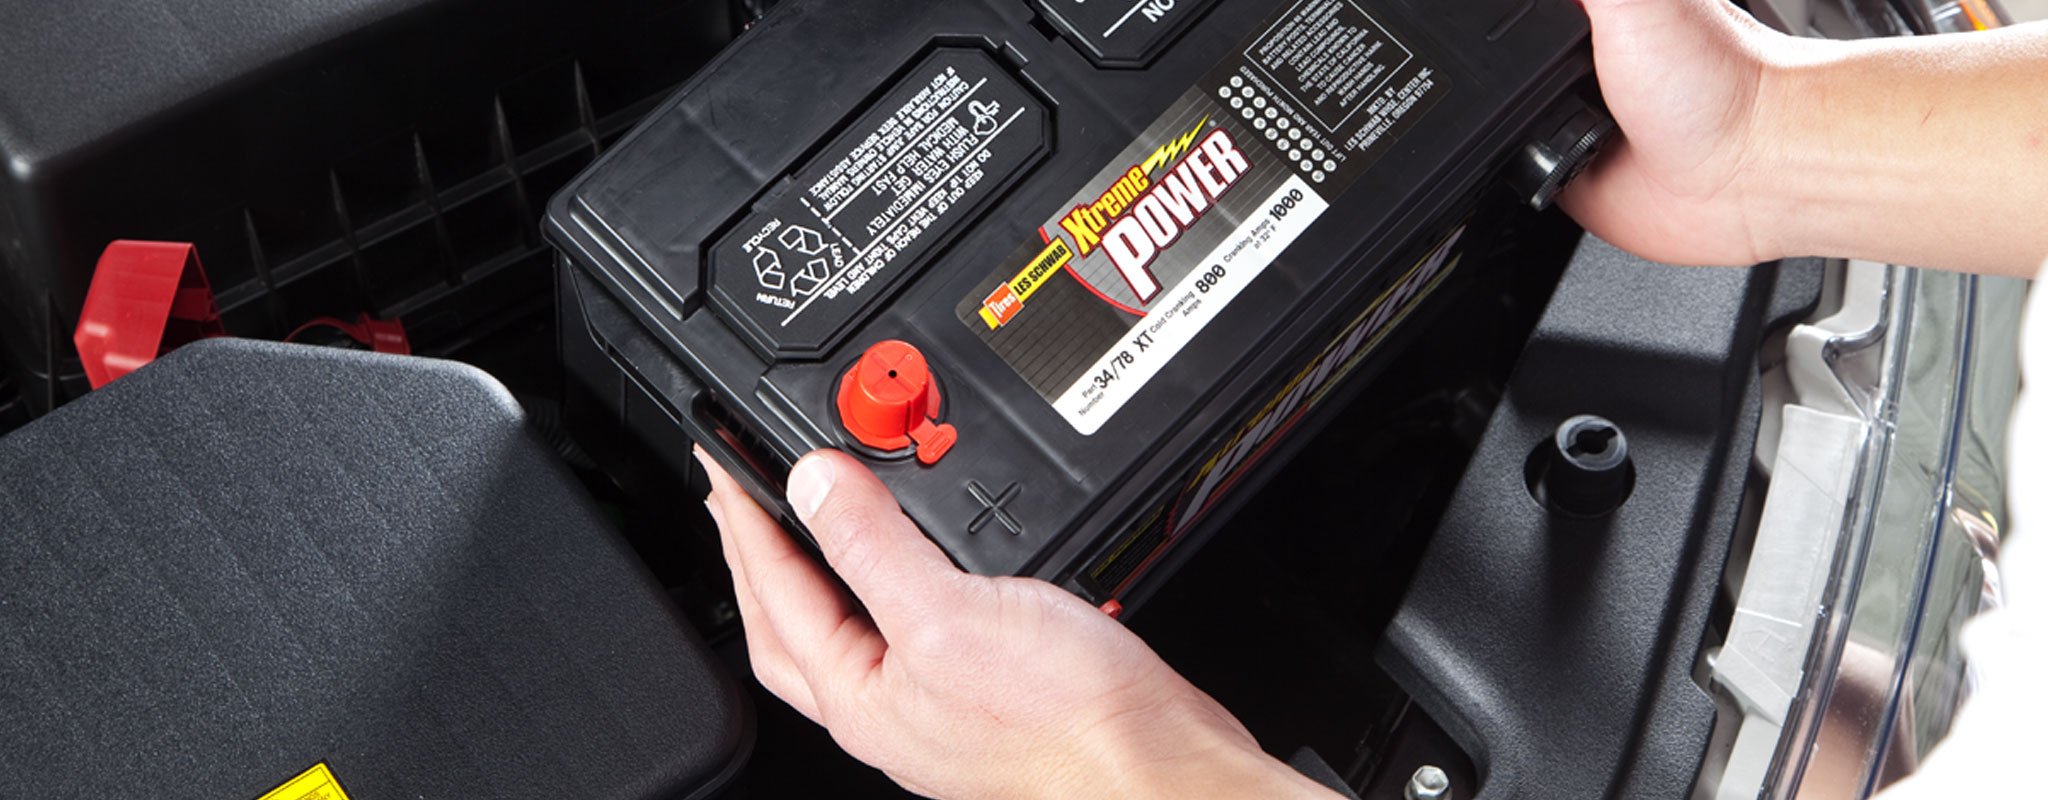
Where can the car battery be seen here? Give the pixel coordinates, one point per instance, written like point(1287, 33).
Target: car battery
point(1066, 274)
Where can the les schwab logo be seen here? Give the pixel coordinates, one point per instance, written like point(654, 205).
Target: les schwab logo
point(1134, 220)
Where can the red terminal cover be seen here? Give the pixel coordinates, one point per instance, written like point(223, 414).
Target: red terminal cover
point(147, 299)
point(889, 401)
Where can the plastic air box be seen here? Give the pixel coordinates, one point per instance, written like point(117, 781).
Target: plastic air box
point(250, 561)
point(329, 157)
point(1067, 275)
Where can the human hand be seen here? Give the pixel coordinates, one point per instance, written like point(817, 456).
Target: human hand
point(957, 685)
point(1684, 79)
point(1743, 145)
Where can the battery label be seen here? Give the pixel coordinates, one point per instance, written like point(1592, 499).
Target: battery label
point(807, 262)
point(1148, 252)
point(1189, 306)
point(1126, 559)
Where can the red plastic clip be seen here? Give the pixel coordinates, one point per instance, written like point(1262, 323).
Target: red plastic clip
point(147, 299)
point(381, 335)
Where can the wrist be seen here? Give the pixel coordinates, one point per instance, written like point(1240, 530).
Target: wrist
point(1192, 751)
point(1225, 772)
point(1786, 147)
point(1855, 141)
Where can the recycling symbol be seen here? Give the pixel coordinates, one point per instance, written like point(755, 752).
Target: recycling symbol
point(814, 275)
point(802, 240)
point(768, 268)
point(803, 244)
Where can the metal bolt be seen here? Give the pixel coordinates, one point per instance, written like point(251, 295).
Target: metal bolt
point(1429, 783)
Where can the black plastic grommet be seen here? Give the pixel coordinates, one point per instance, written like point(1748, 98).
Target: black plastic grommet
point(1582, 470)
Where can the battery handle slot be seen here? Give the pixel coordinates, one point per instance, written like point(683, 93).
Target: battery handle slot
point(714, 426)
point(730, 436)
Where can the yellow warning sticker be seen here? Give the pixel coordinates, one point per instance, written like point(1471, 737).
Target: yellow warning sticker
point(317, 783)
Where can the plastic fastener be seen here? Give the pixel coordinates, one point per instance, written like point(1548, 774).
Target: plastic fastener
point(147, 299)
point(1583, 469)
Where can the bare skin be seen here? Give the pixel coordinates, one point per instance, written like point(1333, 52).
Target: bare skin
point(956, 685)
point(1741, 146)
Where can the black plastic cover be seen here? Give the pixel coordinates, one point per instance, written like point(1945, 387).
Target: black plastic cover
point(867, 234)
point(249, 558)
point(1123, 34)
point(1559, 650)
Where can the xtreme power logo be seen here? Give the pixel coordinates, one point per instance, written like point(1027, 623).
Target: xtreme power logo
point(1135, 219)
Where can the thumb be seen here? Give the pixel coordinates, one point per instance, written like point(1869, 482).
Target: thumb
point(900, 575)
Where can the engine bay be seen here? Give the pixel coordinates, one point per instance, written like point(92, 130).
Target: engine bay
point(1391, 587)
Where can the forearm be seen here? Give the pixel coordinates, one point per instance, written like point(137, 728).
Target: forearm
point(1930, 152)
